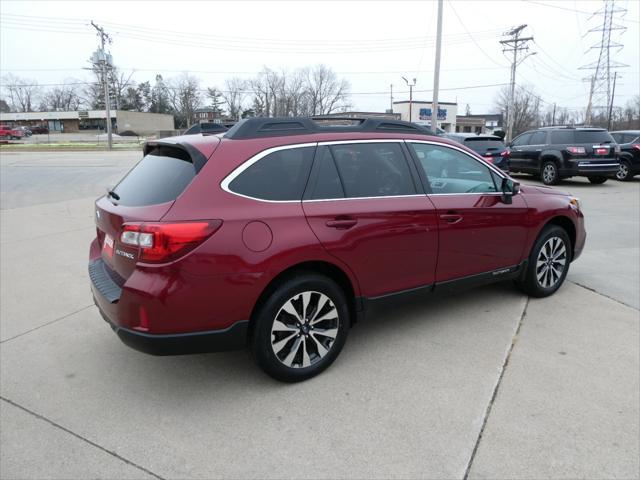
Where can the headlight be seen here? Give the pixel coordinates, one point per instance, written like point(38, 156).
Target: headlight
point(575, 201)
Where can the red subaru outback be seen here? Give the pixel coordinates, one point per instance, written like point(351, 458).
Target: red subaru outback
point(280, 233)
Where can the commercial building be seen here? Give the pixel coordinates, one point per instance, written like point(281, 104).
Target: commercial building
point(421, 112)
point(142, 123)
point(470, 124)
point(492, 121)
point(387, 114)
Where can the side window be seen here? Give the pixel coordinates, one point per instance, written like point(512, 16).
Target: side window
point(522, 140)
point(451, 171)
point(373, 170)
point(328, 184)
point(630, 137)
point(538, 138)
point(280, 175)
point(618, 137)
point(562, 137)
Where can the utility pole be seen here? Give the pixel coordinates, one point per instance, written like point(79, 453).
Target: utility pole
point(410, 85)
point(613, 94)
point(516, 44)
point(104, 37)
point(553, 118)
point(436, 72)
point(391, 100)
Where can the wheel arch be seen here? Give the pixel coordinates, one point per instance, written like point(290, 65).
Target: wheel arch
point(566, 224)
point(321, 267)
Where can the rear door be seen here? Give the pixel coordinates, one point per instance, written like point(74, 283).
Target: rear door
point(145, 194)
point(368, 210)
point(518, 150)
point(599, 145)
point(478, 232)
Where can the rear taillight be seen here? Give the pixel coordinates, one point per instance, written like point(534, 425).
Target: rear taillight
point(505, 154)
point(488, 158)
point(636, 146)
point(163, 242)
point(576, 150)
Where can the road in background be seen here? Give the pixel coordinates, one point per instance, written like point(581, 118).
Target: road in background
point(488, 382)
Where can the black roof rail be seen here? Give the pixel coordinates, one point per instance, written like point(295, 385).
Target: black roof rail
point(260, 127)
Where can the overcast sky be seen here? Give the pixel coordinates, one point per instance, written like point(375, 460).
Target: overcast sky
point(372, 44)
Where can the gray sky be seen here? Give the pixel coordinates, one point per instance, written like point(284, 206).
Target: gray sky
point(372, 44)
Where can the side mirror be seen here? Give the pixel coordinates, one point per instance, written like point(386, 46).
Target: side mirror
point(509, 189)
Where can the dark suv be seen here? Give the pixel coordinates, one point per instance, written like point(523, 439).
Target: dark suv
point(554, 153)
point(279, 234)
point(489, 147)
point(629, 141)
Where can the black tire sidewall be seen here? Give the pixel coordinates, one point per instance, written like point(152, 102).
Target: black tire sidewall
point(260, 343)
point(531, 284)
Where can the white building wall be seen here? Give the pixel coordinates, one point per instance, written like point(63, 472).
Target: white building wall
point(420, 112)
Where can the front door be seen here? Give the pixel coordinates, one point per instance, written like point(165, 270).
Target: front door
point(479, 233)
point(367, 210)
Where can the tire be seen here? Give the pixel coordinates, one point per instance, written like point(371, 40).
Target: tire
point(290, 349)
point(597, 180)
point(552, 247)
point(549, 173)
point(624, 173)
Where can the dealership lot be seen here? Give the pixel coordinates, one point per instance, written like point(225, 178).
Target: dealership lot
point(486, 384)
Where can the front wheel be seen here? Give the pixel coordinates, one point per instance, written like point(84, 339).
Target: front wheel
point(624, 172)
point(549, 173)
point(548, 263)
point(597, 180)
point(301, 327)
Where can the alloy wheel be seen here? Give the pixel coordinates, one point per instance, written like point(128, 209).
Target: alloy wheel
point(549, 173)
point(551, 262)
point(304, 329)
point(623, 171)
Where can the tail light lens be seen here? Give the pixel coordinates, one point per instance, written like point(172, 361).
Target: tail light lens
point(163, 242)
point(488, 158)
point(576, 150)
point(636, 146)
point(506, 154)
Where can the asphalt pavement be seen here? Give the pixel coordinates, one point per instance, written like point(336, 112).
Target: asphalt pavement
point(488, 384)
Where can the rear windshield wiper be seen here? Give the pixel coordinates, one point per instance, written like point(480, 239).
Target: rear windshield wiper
point(113, 194)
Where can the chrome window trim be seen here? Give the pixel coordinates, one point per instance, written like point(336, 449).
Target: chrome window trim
point(259, 156)
point(386, 197)
point(373, 140)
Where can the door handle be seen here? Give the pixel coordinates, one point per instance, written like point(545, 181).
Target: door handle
point(451, 217)
point(342, 223)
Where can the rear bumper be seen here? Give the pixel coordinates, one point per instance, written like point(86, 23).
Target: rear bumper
point(108, 297)
point(588, 167)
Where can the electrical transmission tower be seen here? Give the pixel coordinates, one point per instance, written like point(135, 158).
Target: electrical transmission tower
point(515, 44)
point(601, 81)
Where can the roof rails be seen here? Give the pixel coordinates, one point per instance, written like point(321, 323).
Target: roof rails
point(286, 126)
point(568, 127)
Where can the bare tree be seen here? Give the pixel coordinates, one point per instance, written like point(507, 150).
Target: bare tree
point(327, 94)
point(525, 110)
point(23, 93)
point(64, 98)
point(119, 83)
point(185, 97)
point(234, 96)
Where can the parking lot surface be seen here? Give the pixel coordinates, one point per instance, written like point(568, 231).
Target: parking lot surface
point(488, 384)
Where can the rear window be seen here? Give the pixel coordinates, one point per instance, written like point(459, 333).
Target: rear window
point(562, 137)
point(593, 136)
point(483, 144)
point(279, 176)
point(159, 177)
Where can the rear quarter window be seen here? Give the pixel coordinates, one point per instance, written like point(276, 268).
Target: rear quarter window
point(591, 136)
point(278, 176)
point(160, 177)
point(562, 137)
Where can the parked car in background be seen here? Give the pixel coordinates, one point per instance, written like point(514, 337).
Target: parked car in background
point(11, 132)
point(207, 127)
point(26, 130)
point(629, 142)
point(490, 147)
point(554, 153)
point(279, 234)
point(38, 130)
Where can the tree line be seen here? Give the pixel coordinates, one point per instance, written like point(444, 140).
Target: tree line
point(314, 90)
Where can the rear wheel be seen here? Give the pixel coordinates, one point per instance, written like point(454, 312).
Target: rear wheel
point(624, 172)
point(301, 328)
point(597, 180)
point(548, 263)
point(549, 173)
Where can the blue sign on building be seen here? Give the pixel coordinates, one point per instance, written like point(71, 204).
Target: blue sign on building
point(425, 114)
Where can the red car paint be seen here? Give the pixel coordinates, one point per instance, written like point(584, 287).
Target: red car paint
point(397, 244)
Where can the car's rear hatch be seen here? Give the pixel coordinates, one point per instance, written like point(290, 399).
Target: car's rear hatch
point(145, 194)
point(598, 144)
